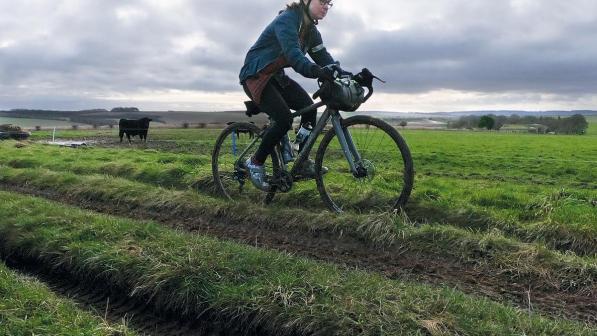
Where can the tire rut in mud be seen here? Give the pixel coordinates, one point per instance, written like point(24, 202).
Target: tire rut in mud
point(114, 306)
point(392, 262)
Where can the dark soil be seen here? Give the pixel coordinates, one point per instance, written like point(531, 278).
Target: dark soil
point(393, 262)
point(116, 307)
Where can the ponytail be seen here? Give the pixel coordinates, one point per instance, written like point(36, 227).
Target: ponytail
point(295, 4)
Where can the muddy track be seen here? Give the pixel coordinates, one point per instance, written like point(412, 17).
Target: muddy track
point(392, 262)
point(114, 306)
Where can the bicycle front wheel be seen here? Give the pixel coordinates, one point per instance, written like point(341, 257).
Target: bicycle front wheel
point(384, 176)
point(234, 146)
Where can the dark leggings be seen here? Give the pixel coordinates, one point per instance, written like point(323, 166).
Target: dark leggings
point(276, 102)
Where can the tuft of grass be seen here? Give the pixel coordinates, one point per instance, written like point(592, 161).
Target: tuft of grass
point(100, 188)
point(28, 307)
point(153, 167)
point(531, 214)
point(248, 288)
point(543, 207)
point(517, 261)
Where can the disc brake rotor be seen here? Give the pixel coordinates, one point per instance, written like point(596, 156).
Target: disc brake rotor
point(365, 170)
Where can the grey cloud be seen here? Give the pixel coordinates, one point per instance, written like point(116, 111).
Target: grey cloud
point(108, 54)
point(63, 49)
point(481, 59)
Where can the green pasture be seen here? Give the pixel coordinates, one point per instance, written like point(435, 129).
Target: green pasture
point(178, 135)
point(528, 185)
point(29, 123)
point(592, 130)
point(492, 249)
point(246, 287)
point(28, 307)
point(522, 204)
point(536, 188)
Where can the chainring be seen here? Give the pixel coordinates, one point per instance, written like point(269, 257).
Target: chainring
point(282, 180)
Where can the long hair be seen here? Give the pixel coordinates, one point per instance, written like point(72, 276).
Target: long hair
point(299, 4)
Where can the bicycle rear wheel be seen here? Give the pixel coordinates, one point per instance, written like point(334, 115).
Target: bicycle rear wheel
point(234, 145)
point(385, 172)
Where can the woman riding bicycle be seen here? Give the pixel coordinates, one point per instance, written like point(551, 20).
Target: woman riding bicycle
point(284, 43)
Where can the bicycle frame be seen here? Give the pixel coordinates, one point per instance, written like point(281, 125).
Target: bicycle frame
point(346, 143)
point(350, 152)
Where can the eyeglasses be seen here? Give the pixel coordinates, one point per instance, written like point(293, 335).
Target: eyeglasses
point(328, 3)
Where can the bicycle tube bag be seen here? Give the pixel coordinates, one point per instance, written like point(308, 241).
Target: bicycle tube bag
point(252, 108)
point(346, 94)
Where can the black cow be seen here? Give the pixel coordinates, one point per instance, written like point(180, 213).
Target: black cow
point(133, 127)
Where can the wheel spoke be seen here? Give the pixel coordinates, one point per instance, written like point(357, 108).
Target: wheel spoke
point(384, 174)
point(233, 147)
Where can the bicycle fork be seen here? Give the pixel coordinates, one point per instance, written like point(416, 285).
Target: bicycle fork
point(347, 144)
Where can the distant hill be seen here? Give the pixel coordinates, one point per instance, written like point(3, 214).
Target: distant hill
point(458, 114)
point(105, 117)
point(554, 113)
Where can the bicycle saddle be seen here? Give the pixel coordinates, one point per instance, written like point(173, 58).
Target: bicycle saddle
point(252, 108)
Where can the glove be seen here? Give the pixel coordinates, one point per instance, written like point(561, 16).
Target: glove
point(338, 71)
point(324, 74)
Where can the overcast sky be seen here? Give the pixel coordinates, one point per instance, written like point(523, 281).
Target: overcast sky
point(436, 55)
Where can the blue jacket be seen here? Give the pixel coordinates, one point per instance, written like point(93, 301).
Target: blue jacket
point(281, 38)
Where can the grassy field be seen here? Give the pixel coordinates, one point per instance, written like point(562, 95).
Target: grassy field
point(243, 285)
point(31, 123)
point(524, 205)
point(535, 188)
point(28, 307)
point(592, 120)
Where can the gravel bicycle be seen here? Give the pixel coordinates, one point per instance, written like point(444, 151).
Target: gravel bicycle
point(368, 163)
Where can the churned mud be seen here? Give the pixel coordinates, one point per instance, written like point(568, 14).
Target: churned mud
point(394, 262)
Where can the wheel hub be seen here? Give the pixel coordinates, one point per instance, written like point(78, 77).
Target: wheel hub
point(365, 169)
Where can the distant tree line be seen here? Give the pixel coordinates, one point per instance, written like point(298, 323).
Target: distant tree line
point(575, 124)
point(124, 109)
point(94, 117)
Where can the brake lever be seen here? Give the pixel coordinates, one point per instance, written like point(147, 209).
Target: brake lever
point(365, 78)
